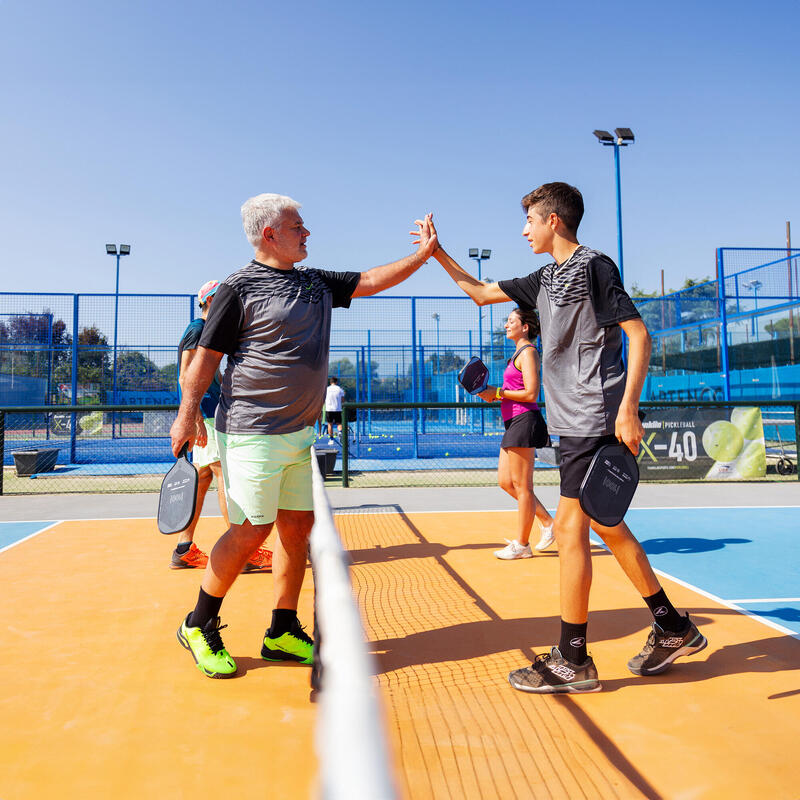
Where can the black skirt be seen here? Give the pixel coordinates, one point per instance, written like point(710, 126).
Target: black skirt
point(526, 430)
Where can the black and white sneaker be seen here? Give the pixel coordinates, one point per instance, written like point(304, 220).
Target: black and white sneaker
point(551, 673)
point(663, 647)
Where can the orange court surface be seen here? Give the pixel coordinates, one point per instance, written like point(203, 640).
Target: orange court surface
point(99, 699)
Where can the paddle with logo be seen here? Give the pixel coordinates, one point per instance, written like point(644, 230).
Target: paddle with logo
point(474, 375)
point(178, 497)
point(609, 484)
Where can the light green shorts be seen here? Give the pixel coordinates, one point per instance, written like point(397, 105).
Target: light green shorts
point(203, 456)
point(266, 472)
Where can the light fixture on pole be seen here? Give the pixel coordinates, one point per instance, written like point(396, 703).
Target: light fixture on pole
point(622, 138)
point(480, 255)
point(755, 286)
point(111, 250)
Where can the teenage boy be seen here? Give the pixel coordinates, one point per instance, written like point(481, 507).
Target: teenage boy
point(583, 309)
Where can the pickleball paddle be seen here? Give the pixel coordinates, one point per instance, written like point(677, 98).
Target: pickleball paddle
point(609, 484)
point(474, 375)
point(178, 497)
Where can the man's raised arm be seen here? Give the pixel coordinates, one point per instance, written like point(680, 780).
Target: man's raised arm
point(193, 386)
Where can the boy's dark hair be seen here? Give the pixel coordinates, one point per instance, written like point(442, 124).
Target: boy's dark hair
point(557, 198)
point(333, 380)
point(530, 318)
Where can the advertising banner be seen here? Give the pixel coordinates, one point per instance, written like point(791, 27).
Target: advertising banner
point(703, 443)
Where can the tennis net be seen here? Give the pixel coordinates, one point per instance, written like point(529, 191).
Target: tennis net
point(351, 741)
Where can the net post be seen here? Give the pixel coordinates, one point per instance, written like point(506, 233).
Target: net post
point(796, 440)
point(2, 448)
point(345, 447)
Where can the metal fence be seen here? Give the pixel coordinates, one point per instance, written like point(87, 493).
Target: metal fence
point(734, 337)
point(127, 448)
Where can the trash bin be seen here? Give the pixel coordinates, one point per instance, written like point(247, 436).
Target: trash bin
point(326, 459)
point(31, 462)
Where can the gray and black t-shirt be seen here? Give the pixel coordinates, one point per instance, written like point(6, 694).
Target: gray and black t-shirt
point(581, 303)
point(275, 326)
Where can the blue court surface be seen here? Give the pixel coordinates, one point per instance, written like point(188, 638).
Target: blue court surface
point(13, 532)
point(745, 557)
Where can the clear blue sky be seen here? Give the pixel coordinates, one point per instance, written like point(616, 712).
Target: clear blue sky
point(150, 123)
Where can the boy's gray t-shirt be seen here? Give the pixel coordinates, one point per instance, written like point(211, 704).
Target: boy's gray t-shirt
point(580, 303)
point(274, 325)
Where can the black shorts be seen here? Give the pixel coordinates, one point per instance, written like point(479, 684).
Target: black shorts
point(576, 455)
point(525, 430)
point(334, 417)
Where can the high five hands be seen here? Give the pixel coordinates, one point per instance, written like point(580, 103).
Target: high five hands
point(425, 236)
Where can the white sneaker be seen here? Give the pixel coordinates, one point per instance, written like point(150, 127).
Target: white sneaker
point(514, 550)
point(547, 538)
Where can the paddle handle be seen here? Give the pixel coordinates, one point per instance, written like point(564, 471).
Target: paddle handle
point(184, 451)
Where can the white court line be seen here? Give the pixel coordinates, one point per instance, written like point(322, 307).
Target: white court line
point(25, 539)
point(374, 508)
point(767, 600)
point(727, 603)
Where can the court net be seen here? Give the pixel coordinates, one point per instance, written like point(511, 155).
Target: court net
point(351, 741)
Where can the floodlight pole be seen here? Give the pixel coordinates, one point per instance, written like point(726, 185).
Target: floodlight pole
point(479, 258)
point(619, 214)
point(116, 319)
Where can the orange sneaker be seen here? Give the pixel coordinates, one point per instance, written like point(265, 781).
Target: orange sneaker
point(193, 558)
point(260, 561)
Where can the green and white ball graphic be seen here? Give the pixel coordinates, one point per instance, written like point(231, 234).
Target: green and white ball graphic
point(748, 421)
point(753, 462)
point(722, 441)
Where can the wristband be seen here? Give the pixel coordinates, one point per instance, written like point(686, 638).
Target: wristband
point(497, 393)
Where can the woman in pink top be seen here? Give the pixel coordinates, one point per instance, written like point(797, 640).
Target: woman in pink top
point(525, 431)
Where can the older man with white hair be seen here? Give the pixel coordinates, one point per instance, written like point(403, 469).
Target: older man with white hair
point(272, 319)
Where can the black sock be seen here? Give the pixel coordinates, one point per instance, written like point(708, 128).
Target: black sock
point(282, 619)
point(573, 641)
point(183, 548)
point(665, 614)
point(207, 608)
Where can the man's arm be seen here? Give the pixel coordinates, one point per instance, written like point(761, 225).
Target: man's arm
point(186, 358)
point(194, 383)
point(628, 427)
point(482, 293)
point(378, 279)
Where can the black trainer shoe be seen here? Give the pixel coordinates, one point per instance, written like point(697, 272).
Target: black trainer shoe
point(551, 673)
point(663, 647)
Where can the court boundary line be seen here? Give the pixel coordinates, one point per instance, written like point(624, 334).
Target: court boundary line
point(29, 536)
point(368, 509)
point(766, 600)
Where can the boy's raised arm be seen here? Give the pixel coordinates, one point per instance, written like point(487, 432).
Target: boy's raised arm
point(482, 293)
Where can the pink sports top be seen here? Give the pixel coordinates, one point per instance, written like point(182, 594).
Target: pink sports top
point(513, 381)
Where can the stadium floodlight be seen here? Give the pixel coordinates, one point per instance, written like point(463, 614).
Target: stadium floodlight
point(624, 137)
point(111, 250)
point(473, 252)
point(486, 253)
point(604, 136)
point(479, 255)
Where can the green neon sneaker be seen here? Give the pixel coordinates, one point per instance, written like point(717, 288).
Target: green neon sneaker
point(296, 645)
point(205, 645)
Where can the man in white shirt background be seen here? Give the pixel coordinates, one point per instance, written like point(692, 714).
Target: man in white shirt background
point(333, 407)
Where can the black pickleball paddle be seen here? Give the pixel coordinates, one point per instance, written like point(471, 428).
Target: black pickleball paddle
point(178, 497)
point(474, 375)
point(609, 484)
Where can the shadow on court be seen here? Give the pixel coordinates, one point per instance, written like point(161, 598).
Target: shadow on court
point(687, 545)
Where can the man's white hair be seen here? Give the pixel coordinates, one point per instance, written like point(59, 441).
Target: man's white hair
point(263, 211)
